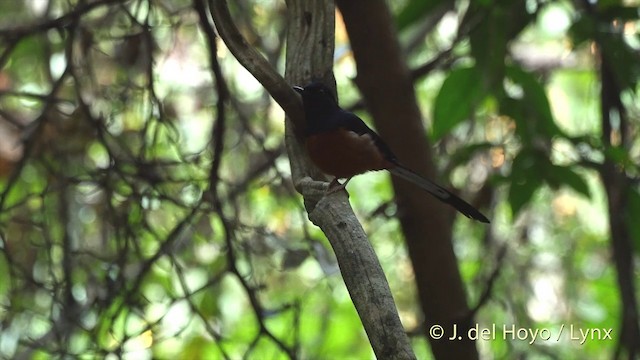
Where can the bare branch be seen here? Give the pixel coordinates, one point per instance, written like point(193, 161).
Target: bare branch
point(255, 63)
point(310, 57)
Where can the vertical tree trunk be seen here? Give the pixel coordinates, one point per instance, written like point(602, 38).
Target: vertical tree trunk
point(617, 188)
point(384, 79)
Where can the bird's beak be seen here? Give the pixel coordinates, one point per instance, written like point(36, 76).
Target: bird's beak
point(298, 89)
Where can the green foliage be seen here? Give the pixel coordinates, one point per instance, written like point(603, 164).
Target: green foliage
point(615, 48)
point(524, 178)
point(112, 243)
point(416, 10)
point(461, 92)
point(531, 110)
point(531, 169)
point(537, 124)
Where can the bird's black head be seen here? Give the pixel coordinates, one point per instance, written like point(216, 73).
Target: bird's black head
point(320, 106)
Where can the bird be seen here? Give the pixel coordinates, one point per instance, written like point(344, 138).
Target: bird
point(340, 144)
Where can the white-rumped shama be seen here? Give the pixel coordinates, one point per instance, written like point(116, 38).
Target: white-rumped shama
point(340, 144)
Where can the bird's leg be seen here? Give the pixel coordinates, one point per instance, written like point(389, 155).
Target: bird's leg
point(335, 186)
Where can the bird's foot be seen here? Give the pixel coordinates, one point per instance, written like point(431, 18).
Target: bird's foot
point(335, 186)
point(311, 188)
point(315, 189)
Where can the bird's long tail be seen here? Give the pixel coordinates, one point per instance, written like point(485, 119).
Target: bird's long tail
point(439, 192)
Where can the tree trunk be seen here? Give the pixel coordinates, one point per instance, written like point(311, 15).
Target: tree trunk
point(385, 81)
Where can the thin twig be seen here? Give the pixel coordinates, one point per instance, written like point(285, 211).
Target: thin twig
point(255, 63)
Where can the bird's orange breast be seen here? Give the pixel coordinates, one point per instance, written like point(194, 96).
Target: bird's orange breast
point(343, 153)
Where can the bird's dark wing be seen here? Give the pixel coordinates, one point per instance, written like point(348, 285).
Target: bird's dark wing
point(352, 122)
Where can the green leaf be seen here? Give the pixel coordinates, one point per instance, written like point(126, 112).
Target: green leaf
point(624, 13)
point(495, 24)
point(488, 43)
point(614, 47)
point(622, 58)
point(606, 4)
point(534, 102)
point(521, 193)
point(563, 175)
point(619, 155)
point(461, 91)
point(525, 179)
point(514, 109)
point(582, 30)
point(531, 169)
point(415, 11)
point(5, 277)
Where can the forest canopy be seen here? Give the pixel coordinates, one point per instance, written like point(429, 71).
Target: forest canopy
point(155, 202)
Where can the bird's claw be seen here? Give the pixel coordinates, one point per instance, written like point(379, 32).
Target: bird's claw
point(314, 189)
point(311, 188)
point(335, 186)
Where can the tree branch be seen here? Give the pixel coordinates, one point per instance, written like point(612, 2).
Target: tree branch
point(256, 64)
point(617, 189)
point(310, 57)
point(387, 86)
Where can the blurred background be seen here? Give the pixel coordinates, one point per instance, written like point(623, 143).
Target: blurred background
point(111, 247)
